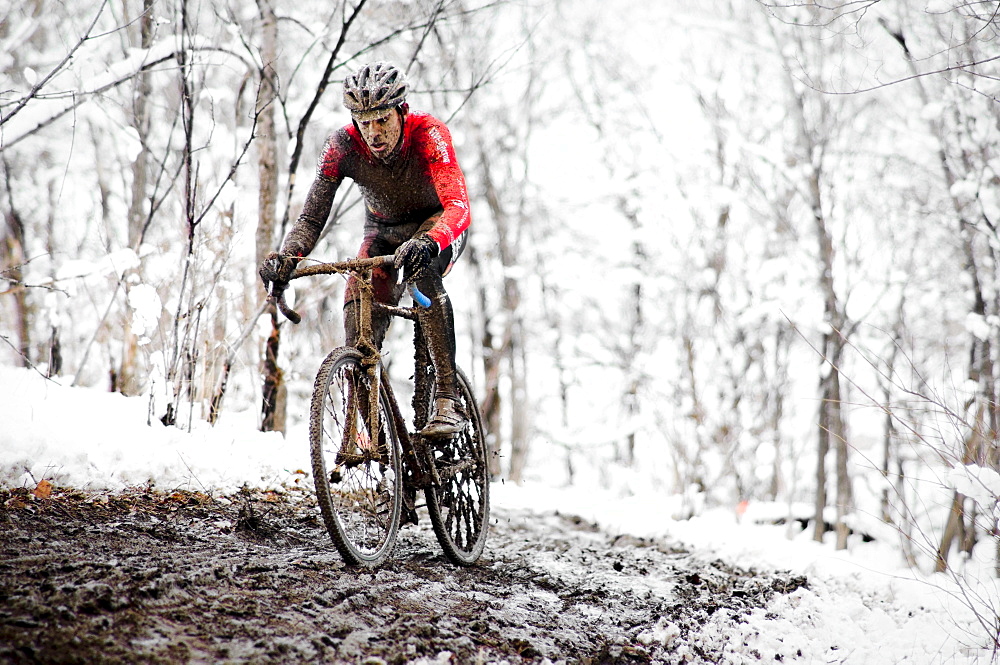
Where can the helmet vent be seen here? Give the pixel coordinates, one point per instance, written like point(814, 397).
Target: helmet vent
point(374, 87)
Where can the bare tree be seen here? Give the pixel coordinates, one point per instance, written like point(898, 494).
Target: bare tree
point(507, 352)
point(814, 120)
point(128, 379)
point(23, 102)
point(12, 260)
point(185, 358)
point(954, 133)
point(274, 391)
point(960, 25)
point(944, 58)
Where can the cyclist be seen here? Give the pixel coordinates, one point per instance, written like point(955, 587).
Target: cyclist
point(416, 207)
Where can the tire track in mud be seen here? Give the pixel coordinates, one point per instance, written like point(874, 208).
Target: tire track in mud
point(154, 577)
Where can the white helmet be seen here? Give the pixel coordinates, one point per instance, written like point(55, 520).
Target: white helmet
point(375, 87)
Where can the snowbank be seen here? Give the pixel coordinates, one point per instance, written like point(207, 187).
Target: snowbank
point(91, 439)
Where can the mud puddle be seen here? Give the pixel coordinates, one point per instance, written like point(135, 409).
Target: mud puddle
point(182, 577)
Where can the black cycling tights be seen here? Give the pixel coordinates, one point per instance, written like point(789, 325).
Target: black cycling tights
point(437, 323)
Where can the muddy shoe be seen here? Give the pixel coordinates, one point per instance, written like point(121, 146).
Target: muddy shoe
point(448, 418)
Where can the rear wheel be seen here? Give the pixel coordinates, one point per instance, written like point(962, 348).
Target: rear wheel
point(459, 504)
point(358, 474)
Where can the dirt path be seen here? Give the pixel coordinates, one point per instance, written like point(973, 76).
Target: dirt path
point(149, 577)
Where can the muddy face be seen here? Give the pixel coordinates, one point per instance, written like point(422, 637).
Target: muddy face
point(381, 131)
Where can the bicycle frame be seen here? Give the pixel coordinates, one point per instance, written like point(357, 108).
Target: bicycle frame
point(384, 465)
point(372, 356)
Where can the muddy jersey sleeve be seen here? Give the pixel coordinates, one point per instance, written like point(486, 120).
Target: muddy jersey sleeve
point(304, 235)
point(449, 182)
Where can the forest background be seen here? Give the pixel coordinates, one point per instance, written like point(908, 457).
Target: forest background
point(727, 252)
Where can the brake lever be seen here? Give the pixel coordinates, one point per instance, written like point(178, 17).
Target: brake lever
point(418, 296)
point(278, 297)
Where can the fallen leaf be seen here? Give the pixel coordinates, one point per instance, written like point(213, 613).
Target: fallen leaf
point(43, 489)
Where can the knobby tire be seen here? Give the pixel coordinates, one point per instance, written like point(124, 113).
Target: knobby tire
point(358, 477)
point(460, 506)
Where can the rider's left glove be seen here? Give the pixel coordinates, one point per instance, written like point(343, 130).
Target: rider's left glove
point(416, 254)
point(277, 269)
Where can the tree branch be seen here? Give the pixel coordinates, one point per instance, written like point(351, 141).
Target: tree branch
point(307, 116)
point(38, 86)
point(962, 66)
point(79, 98)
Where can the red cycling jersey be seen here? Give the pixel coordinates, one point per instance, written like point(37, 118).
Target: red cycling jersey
point(421, 179)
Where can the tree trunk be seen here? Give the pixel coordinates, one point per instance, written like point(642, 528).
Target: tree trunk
point(519, 435)
point(981, 443)
point(274, 403)
point(273, 418)
point(128, 382)
point(889, 429)
point(955, 527)
point(845, 494)
point(633, 369)
point(509, 353)
point(490, 401)
point(951, 531)
point(822, 448)
point(13, 260)
point(776, 406)
point(179, 364)
point(812, 135)
point(550, 304)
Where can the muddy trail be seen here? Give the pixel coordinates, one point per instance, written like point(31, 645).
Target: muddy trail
point(152, 577)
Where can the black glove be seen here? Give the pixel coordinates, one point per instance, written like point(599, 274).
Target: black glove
point(416, 254)
point(277, 269)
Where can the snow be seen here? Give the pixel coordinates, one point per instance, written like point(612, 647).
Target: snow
point(114, 263)
point(979, 483)
point(978, 325)
point(91, 439)
point(861, 606)
point(146, 309)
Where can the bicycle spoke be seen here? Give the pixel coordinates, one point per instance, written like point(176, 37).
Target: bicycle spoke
point(357, 479)
point(459, 505)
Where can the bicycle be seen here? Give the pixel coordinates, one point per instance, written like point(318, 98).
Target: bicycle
point(366, 485)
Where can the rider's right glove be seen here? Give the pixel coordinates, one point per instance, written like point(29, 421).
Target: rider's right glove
point(416, 254)
point(277, 269)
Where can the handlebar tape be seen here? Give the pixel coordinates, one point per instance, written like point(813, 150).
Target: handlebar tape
point(419, 297)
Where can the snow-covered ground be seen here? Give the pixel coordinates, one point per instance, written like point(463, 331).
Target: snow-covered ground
point(861, 606)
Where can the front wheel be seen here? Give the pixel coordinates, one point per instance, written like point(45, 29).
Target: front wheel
point(358, 473)
point(459, 505)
